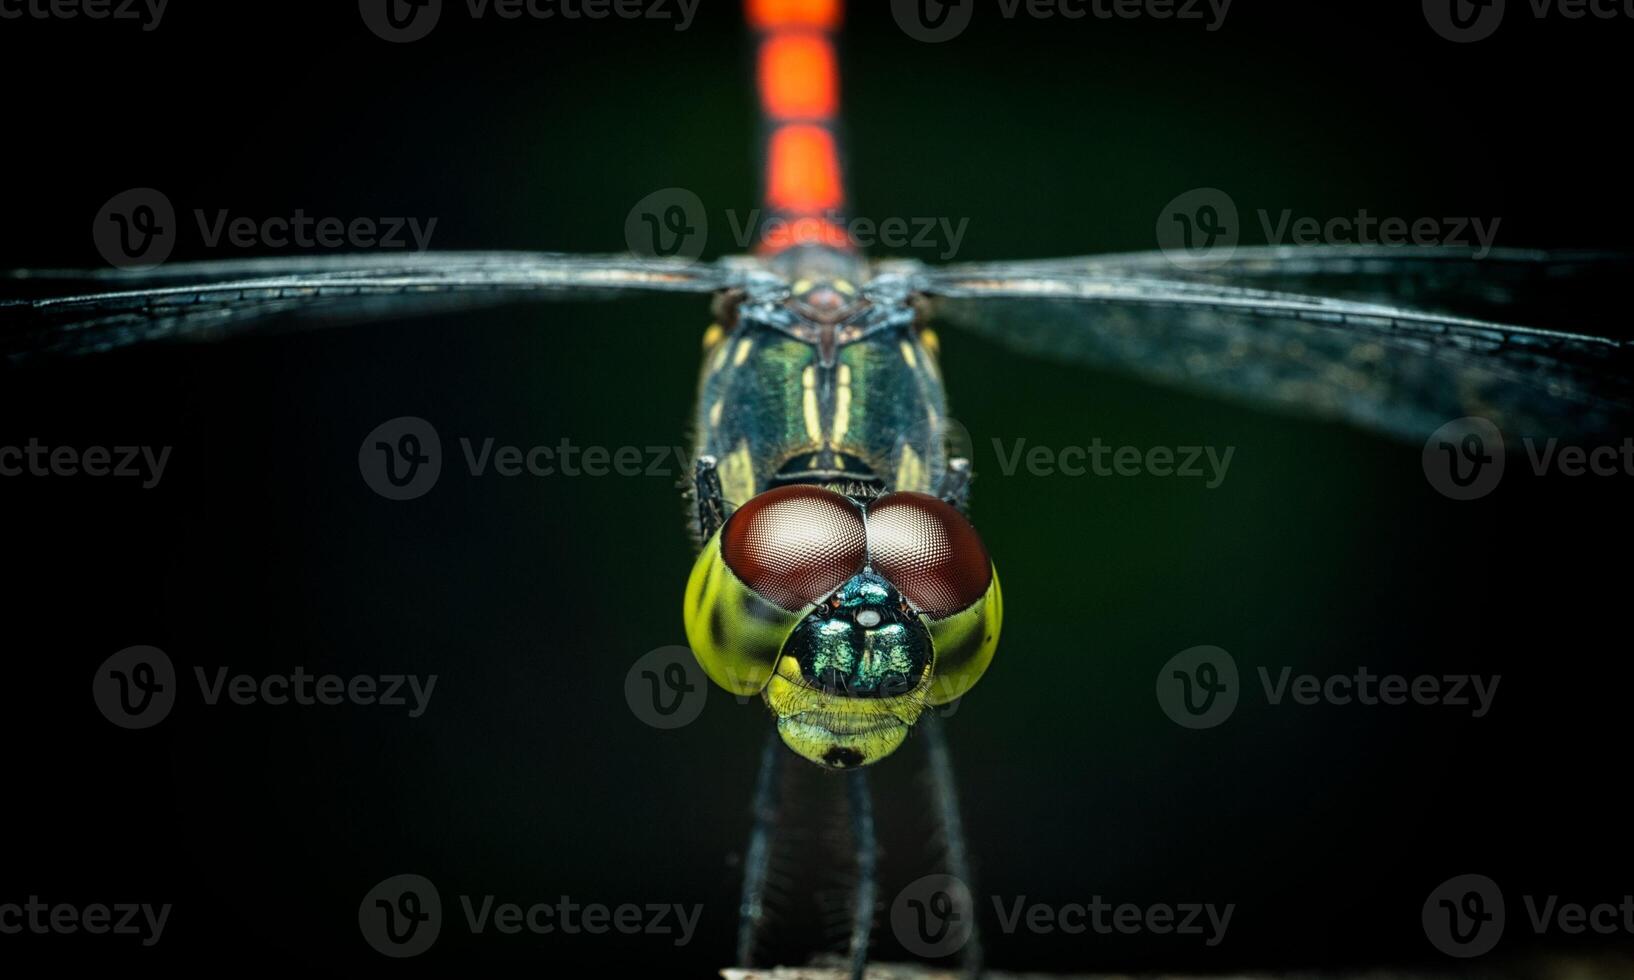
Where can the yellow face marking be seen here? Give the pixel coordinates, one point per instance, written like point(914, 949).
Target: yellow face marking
point(841, 285)
point(742, 353)
point(933, 343)
point(965, 643)
point(909, 356)
point(801, 287)
point(713, 335)
point(715, 413)
point(814, 723)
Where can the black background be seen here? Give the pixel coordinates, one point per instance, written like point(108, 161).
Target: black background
point(528, 777)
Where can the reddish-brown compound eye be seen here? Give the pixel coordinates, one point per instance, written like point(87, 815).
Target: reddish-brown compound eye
point(927, 549)
point(795, 545)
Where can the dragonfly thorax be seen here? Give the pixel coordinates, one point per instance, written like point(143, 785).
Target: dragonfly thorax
point(823, 381)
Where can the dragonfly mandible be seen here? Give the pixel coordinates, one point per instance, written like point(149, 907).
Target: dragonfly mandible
point(839, 577)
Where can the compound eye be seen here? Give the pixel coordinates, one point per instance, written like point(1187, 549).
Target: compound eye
point(927, 549)
point(795, 545)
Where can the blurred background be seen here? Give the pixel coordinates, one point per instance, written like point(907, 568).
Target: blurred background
point(529, 777)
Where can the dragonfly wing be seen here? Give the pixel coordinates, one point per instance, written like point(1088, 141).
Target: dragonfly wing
point(1569, 290)
point(82, 312)
point(1391, 368)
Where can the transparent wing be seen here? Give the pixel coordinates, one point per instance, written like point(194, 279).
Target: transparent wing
point(1396, 369)
point(80, 312)
point(1568, 290)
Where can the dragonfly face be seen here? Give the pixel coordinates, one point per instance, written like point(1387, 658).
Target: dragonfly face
point(849, 616)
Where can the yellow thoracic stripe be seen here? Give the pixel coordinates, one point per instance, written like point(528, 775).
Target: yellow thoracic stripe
point(842, 404)
point(808, 405)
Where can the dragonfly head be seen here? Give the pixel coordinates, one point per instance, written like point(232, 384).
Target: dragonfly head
point(849, 617)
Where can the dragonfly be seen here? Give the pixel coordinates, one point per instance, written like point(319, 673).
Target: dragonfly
point(839, 576)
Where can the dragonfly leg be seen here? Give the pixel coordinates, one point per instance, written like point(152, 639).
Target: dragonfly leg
point(955, 488)
point(706, 490)
point(946, 806)
point(758, 856)
point(862, 836)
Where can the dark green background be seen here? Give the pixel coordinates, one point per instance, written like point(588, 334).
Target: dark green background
point(528, 777)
